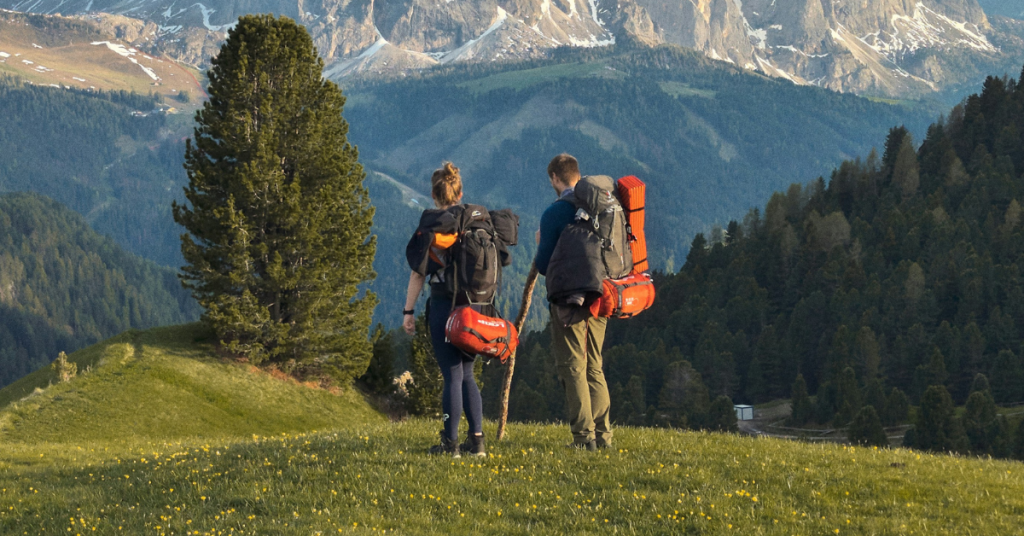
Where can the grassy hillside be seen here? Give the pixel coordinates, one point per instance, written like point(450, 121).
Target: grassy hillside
point(165, 384)
point(160, 437)
point(54, 50)
point(377, 478)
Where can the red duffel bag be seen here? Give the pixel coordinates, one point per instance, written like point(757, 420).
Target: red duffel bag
point(626, 297)
point(477, 334)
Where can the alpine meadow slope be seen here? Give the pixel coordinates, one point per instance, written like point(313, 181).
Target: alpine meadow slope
point(162, 436)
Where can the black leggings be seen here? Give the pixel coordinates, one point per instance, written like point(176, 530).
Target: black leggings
point(460, 389)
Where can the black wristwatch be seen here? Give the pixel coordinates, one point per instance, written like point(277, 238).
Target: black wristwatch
point(408, 312)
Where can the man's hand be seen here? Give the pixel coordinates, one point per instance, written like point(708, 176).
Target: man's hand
point(409, 324)
point(538, 236)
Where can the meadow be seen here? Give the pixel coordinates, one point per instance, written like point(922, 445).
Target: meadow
point(344, 469)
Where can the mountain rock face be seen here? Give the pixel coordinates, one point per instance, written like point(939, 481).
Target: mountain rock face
point(880, 47)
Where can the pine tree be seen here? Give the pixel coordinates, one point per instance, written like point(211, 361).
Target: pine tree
point(866, 429)
point(848, 399)
point(1018, 442)
point(801, 403)
point(379, 376)
point(425, 389)
point(897, 408)
point(722, 415)
point(1007, 378)
point(684, 397)
point(979, 422)
point(278, 219)
point(936, 426)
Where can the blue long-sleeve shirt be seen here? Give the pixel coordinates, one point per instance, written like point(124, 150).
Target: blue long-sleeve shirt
point(554, 220)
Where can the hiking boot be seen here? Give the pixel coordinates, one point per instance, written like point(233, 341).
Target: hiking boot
point(589, 445)
point(447, 446)
point(602, 444)
point(474, 445)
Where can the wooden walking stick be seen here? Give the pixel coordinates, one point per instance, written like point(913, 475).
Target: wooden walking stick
point(506, 384)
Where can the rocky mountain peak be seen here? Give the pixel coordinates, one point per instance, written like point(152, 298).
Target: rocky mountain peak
point(882, 47)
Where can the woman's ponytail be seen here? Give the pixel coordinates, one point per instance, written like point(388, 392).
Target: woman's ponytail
point(446, 185)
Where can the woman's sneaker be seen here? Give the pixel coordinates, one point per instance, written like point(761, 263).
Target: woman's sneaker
point(474, 445)
point(447, 446)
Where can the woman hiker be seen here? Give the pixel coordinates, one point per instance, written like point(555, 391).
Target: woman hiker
point(427, 256)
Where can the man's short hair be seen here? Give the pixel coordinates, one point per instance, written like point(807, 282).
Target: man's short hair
point(565, 168)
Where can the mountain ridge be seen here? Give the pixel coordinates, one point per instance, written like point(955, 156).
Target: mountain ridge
point(878, 47)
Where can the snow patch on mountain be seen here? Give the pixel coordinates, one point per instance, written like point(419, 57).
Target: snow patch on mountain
point(925, 29)
point(466, 50)
point(127, 52)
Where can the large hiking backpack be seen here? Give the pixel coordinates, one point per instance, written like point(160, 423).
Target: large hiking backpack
point(473, 276)
point(480, 250)
point(594, 247)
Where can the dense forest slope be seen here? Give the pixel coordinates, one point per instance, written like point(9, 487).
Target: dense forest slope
point(901, 272)
point(63, 286)
point(91, 152)
point(711, 140)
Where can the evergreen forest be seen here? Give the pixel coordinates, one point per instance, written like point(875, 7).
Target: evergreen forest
point(90, 152)
point(65, 286)
point(898, 281)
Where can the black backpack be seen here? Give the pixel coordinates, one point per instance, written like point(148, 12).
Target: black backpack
point(473, 272)
point(592, 248)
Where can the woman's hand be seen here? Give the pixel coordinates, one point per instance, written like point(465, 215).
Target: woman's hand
point(416, 282)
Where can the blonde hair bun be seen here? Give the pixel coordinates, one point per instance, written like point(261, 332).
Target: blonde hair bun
point(446, 185)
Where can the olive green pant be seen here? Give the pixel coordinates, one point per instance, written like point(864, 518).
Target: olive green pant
point(577, 352)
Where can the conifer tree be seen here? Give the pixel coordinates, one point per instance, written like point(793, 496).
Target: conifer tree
point(897, 407)
point(425, 390)
point(848, 399)
point(722, 415)
point(936, 426)
point(979, 422)
point(801, 403)
point(683, 398)
point(278, 220)
point(379, 376)
point(866, 429)
point(1017, 451)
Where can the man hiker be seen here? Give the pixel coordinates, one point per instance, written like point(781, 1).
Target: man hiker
point(576, 336)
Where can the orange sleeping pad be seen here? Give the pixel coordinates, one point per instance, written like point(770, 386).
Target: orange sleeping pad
point(631, 194)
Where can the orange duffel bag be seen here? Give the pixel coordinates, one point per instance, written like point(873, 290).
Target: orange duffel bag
point(626, 297)
point(632, 192)
point(477, 334)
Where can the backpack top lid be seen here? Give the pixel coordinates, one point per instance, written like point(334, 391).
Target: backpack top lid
point(595, 194)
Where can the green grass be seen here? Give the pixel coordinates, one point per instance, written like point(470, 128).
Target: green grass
point(679, 89)
point(116, 451)
point(523, 79)
point(162, 384)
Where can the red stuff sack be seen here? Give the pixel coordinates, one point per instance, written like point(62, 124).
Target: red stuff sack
point(631, 192)
point(477, 334)
point(626, 297)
